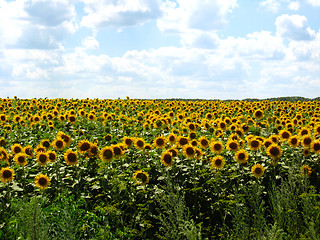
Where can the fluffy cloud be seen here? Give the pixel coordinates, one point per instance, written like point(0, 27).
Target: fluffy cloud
point(119, 13)
point(188, 14)
point(294, 27)
point(315, 3)
point(271, 5)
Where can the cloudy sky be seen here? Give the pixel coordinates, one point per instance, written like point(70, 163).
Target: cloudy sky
point(208, 49)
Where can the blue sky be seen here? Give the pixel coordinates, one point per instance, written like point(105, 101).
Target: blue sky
point(207, 49)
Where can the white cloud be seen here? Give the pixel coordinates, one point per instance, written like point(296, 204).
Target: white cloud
point(271, 5)
point(119, 13)
point(315, 3)
point(294, 27)
point(90, 43)
point(188, 14)
point(294, 6)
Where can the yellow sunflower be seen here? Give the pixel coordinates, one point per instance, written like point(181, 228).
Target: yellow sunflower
point(172, 138)
point(241, 156)
point(3, 155)
point(21, 159)
point(141, 178)
point(258, 114)
point(257, 170)
point(315, 146)
point(181, 141)
point(106, 154)
point(306, 170)
point(45, 143)
point(117, 151)
point(306, 140)
point(160, 142)
point(83, 146)
point(16, 148)
point(166, 158)
point(94, 149)
point(188, 151)
point(65, 137)
point(128, 141)
point(218, 162)
point(254, 144)
point(58, 144)
point(204, 142)
point(232, 145)
point(6, 174)
point(274, 151)
point(42, 158)
point(139, 143)
point(294, 141)
point(42, 181)
point(71, 157)
point(52, 155)
point(284, 134)
point(216, 147)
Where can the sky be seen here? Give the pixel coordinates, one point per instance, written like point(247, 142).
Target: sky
point(151, 49)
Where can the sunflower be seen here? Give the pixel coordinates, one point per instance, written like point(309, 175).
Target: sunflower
point(304, 131)
point(232, 145)
point(42, 181)
point(257, 170)
point(71, 157)
point(204, 142)
point(160, 142)
point(216, 147)
point(6, 174)
point(117, 151)
point(254, 144)
point(52, 155)
point(188, 151)
point(65, 137)
point(83, 146)
point(45, 143)
point(172, 138)
point(315, 146)
point(181, 141)
point(106, 154)
point(258, 114)
point(241, 156)
point(306, 170)
point(274, 151)
point(16, 148)
point(42, 158)
point(128, 141)
point(284, 134)
point(317, 129)
point(28, 150)
point(167, 158)
point(294, 141)
point(141, 178)
point(218, 162)
point(58, 144)
point(3, 155)
point(94, 150)
point(139, 143)
point(267, 142)
point(21, 159)
point(147, 147)
point(306, 141)
point(174, 152)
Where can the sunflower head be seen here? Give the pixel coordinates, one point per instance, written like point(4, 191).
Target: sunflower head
point(139, 143)
point(315, 146)
point(181, 141)
point(218, 162)
point(306, 140)
point(83, 146)
point(6, 174)
point(258, 114)
point(71, 157)
point(3, 155)
point(42, 158)
point(16, 148)
point(141, 178)
point(232, 145)
point(274, 151)
point(241, 156)
point(160, 142)
point(257, 170)
point(42, 181)
point(52, 155)
point(216, 147)
point(21, 159)
point(167, 158)
point(106, 154)
point(188, 151)
point(117, 151)
point(58, 144)
point(254, 144)
point(294, 141)
point(204, 142)
point(128, 141)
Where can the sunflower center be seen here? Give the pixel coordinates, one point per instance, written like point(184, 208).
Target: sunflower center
point(171, 138)
point(258, 171)
point(190, 151)
point(107, 154)
point(274, 151)
point(174, 153)
point(233, 145)
point(167, 159)
point(21, 159)
point(160, 142)
point(85, 146)
point(117, 151)
point(42, 158)
point(204, 142)
point(285, 135)
point(7, 174)
point(59, 144)
point(217, 147)
point(46, 144)
point(294, 141)
point(17, 149)
point(142, 176)
point(218, 162)
point(307, 141)
point(183, 141)
point(316, 146)
point(52, 157)
point(254, 143)
point(140, 143)
point(72, 157)
point(128, 142)
point(241, 156)
point(304, 132)
point(94, 150)
point(43, 181)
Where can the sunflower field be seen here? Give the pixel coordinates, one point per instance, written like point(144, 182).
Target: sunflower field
point(159, 169)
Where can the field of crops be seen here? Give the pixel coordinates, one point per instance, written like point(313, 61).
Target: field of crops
point(159, 169)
